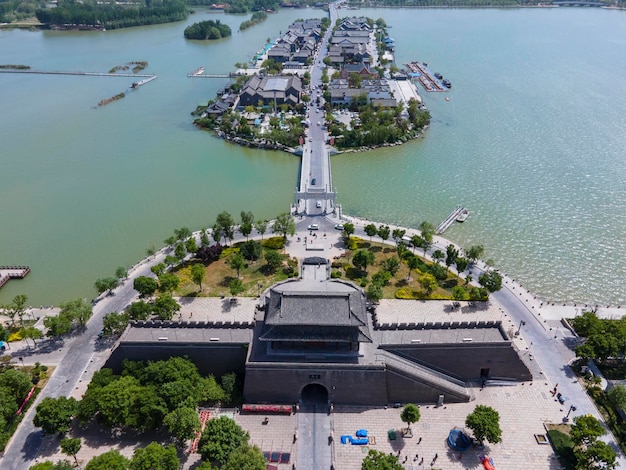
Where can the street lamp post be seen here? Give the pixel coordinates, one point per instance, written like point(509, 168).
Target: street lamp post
point(571, 408)
point(521, 323)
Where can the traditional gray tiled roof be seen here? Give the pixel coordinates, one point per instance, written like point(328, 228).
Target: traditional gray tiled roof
point(300, 315)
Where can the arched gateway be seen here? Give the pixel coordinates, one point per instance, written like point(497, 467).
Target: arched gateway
point(314, 394)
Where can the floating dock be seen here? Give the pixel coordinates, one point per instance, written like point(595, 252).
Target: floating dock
point(12, 272)
point(428, 79)
point(143, 82)
point(445, 225)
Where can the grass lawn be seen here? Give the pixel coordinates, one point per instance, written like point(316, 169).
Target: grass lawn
point(562, 444)
point(218, 275)
point(400, 286)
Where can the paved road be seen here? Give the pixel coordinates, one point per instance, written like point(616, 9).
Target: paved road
point(314, 445)
point(27, 441)
point(315, 177)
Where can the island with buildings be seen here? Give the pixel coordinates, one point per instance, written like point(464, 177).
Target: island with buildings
point(360, 99)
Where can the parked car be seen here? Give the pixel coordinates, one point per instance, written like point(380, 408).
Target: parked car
point(313, 227)
point(318, 204)
point(339, 227)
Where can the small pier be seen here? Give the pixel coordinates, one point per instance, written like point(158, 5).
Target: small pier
point(445, 225)
point(426, 77)
point(88, 74)
point(12, 272)
point(212, 75)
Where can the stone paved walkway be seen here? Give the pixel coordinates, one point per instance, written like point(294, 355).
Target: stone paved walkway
point(523, 411)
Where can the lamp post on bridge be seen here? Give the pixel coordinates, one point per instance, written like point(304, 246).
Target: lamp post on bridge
point(521, 323)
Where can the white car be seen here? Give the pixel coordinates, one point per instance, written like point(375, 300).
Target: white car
point(339, 227)
point(318, 204)
point(313, 227)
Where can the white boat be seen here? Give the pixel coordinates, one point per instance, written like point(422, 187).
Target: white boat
point(198, 71)
point(462, 217)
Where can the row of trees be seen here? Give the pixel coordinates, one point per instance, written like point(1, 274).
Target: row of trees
point(145, 396)
point(153, 395)
point(603, 338)
point(256, 18)
point(208, 29)
point(153, 456)
point(70, 12)
point(14, 387)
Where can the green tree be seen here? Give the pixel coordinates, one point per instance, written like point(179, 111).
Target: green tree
point(461, 264)
point(484, 422)
point(168, 282)
point(417, 242)
point(55, 415)
point(370, 230)
point(251, 250)
point(139, 310)
point(71, 447)
point(451, 255)
point(197, 274)
point(492, 281)
point(617, 396)
point(362, 259)
point(273, 259)
point(47, 465)
point(226, 224)
point(220, 438)
point(391, 265)
point(191, 246)
point(158, 269)
point(475, 252)
point(585, 430)
point(428, 282)
point(155, 457)
point(383, 232)
point(397, 234)
point(410, 414)
point(165, 306)
point(459, 293)
point(121, 272)
point(236, 262)
point(146, 286)
point(57, 326)
point(245, 457)
point(236, 287)
point(597, 455)
point(17, 308)
point(17, 383)
point(180, 251)
point(381, 278)
point(348, 229)
point(438, 255)
point(428, 232)
point(376, 460)
point(413, 263)
point(247, 222)
point(204, 237)
point(374, 293)
point(77, 310)
point(111, 460)
point(285, 225)
point(182, 423)
point(182, 233)
point(31, 332)
point(261, 227)
point(114, 323)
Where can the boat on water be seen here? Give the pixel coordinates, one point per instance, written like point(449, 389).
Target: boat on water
point(198, 71)
point(438, 75)
point(142, 82)
point(447, 83)
point(462, 217)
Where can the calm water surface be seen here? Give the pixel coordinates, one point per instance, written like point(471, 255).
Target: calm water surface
point(531, 142)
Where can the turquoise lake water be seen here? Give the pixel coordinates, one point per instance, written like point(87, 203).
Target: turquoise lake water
point(532, 141)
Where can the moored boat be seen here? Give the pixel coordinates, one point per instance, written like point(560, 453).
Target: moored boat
point(462, 217)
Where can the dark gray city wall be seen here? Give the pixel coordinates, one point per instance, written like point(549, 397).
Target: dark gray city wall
point(282, 384)
point(465, 361)
point(404, 390)
point(209, 358)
